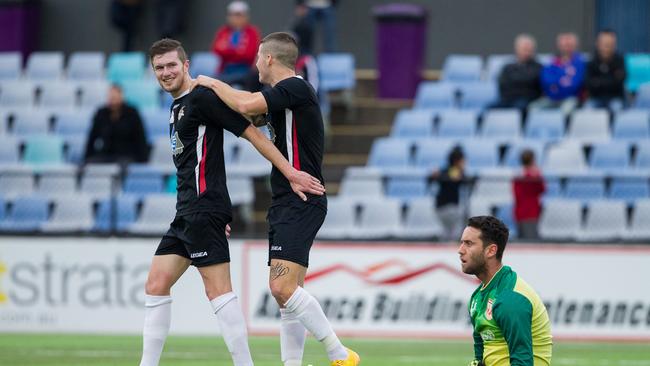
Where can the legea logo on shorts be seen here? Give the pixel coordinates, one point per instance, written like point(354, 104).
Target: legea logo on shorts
point(276, 248)
point(198, 255)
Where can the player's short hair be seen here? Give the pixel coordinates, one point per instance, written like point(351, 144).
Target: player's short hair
point(283, 47)
point(492, 230)
point(167, 45)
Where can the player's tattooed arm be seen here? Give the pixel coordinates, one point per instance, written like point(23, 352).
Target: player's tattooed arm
point(278, 270)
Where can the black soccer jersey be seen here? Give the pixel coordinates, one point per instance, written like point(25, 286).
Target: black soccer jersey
point(298, 128)
point(196, 127)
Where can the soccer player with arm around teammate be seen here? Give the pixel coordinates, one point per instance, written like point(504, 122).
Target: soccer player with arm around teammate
point(198, 234)
point(297, 127)
point(511, 325)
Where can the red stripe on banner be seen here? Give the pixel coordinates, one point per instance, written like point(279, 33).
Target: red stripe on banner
point(202, 166)
point(294, 142)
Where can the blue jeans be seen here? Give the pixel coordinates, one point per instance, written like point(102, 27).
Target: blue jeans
point(328, 17)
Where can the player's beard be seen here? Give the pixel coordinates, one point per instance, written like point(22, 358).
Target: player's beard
point(174, 86)
point(475, 265)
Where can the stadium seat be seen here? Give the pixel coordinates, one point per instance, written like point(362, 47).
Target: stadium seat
point(494, 186)
point(632, 125)
point(57, 183)
point(495, 64)
point(462, 68)
point(413, 123)
point(75, 122)
point(585, 188)
point(17, 94)
point(340, 219)
point(639, 229)
point(380, 219)
point(642, 99)
point(9, 150)
point(115, 213)
point(248, 161)
point(606, 221)
point(16, 181)
point(204, 63)
point(123, 66)
point(27, 214)
point(422, 221)
point(565, 158)
point(388, 153)
point(478, 95)
point(97, 186)
point(43, 150)
point(142, 94)
point(560, 220)
point(158, 212)
point(642, 160)
point(161, 153)
point(637, 66)
point(156, 123)
point(93, 93)
point(502, 124)
point(362, 187)
point(456, 124)
point(86, 66)
point(75, 148)
point(590, 125)
point(240, 189)
point(73, 213)
point(545, 125)
point(432, 154)
point(406, 189)
point(505, 213)
point(629, 188)
point(435, 95)
point(610, 157)
point(512, 157)
point(336, 71)
point(554, 187)
point(141, 184)
point(10, 65)
point(30, 122)
point(44, 66)
point(480, 154)
point(58, 95)
point(544, 58)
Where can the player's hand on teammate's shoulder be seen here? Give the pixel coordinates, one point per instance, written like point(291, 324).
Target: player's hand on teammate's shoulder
point(201, 80)
point(301, 183)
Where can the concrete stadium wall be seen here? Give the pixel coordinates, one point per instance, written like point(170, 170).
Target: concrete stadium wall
point(459, 26)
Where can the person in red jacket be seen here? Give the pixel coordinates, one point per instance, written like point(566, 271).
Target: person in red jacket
point(236, 44)
point(528, 188)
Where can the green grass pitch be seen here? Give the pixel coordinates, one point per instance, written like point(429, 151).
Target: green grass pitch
point(85, 350)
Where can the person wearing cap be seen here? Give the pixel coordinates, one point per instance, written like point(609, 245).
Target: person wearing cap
point(236, 44)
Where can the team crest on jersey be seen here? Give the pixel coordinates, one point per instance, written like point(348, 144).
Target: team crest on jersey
point(181, 113)
point(488, 309)
point(177, 145)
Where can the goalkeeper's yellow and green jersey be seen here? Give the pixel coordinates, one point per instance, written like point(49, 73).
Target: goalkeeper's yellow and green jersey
point(511, 325)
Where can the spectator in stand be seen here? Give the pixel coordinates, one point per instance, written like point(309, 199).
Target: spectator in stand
point(563, 79)
point(528, 187)
point(306, 65)
point(324, 11)
point(170, 17)
point(117, 134)
point(519, 82)
point(448, 205)
point(606, 74)
point(236, 44)
point(124, 16)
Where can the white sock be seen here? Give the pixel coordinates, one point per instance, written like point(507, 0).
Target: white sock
point(233, 328)
point(312, 317)
point(157, 318)
point(292, 338)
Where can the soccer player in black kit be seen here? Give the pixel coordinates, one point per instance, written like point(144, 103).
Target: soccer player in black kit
point(197, 236)
point(297, 126)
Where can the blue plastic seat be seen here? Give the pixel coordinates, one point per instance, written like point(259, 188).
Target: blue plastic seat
point(76, 122)
point(629, 189)
point(642, 100)
point(75, 147)
point(86, 66)
point(585, 188)
point(156, 123)
point(496, 63)
point(123, 66)
point(9, 149)
point(462, 68)
point(545, 125)
point(44, 66)
point(502, 124)
point(513, 152)
point(632, 125)
point(406, 189)
point(142, 94)
point(432, 154)
point(480, 154)
point(589, 125)
point(30, 122)
point(642, 160)
point(610, 157)
point(390, 153)
point(336, 71)
point(637, 66)
point(17, 94)
point(115, 213)
point(27, 213)
point(94, 93)
point(413, 123)
point(435, 95)
point(504, 212)
point(204, 63)
point(58, 95)
point(44, 150)
point(11, 64)
point(457, 124)
point(477, 95)
point(143, 179)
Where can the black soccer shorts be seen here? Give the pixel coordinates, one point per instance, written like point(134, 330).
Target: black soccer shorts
point(199, 237)
point(293, 225)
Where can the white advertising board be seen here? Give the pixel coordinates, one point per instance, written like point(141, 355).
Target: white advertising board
point(592, 292)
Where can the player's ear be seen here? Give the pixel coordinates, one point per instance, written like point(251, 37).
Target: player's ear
point(492, 250)
point(186, 65)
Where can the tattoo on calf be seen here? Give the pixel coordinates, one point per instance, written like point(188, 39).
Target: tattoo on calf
point(278, 270)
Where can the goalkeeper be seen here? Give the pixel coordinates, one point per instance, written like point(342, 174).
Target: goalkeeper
point(511, 325)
